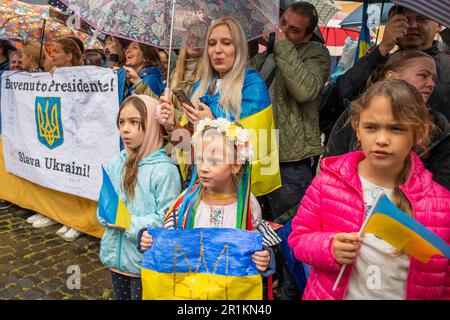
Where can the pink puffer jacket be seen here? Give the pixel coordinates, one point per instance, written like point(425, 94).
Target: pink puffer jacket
point(334, 203)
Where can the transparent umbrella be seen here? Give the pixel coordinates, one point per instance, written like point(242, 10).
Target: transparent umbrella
point(174, 23)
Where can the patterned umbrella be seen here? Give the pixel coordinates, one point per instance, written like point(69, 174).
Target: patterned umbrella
point(325, 9)
point(149, 21)
point(23, 22)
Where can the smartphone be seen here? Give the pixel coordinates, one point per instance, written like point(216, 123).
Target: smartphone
point(401, 10)
point(182, 98)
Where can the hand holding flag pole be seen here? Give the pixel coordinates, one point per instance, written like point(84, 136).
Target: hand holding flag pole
point(361, 231)
point(402, 231)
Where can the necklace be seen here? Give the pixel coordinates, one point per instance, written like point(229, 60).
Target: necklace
point(220, 196)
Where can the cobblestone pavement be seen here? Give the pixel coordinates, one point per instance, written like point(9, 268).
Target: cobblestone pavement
point(35, 263)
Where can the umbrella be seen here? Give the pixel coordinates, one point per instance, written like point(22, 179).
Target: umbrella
point(23, 22)
point(437, 10)
point(375, 11)
point(335, 39)
point(334, 36)
point(325, 9)
point(155, 22)
point(35, 1)
point(149, 21)
point(369, 1)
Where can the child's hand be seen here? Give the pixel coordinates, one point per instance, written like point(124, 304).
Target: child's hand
point(345, 247)
point(261, 259)
point(146, 241)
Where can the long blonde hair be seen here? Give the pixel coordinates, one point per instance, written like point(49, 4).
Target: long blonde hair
point(34, 51)
point(70, 46)
point(231, 89)
point(180, 69)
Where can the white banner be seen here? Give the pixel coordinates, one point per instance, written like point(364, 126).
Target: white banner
point(58, 128)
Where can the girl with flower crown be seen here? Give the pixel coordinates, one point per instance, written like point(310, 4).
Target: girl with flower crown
point(227, 88)
point(220, 197)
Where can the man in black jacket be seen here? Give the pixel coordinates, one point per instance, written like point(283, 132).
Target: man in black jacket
point(410, 30)
point(420, 32)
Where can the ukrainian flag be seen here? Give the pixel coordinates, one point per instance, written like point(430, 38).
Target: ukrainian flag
point(364, 34)
point(403, 232)
point(257, 117)
point(201, 264)
point(111, 207)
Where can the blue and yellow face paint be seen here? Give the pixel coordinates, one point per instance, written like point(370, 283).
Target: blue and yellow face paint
point(201, 264)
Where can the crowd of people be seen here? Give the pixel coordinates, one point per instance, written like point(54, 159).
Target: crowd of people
point(391, 135)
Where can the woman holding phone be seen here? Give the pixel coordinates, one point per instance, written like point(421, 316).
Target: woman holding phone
point(185, 74)
point(229, 89)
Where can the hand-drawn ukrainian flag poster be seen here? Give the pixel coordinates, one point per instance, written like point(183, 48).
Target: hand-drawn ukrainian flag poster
point(58, 128)
point(202, 264)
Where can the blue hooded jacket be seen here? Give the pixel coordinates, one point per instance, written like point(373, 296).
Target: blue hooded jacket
point(158, 185)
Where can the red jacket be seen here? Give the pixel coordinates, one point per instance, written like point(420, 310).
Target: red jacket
point(334, 203)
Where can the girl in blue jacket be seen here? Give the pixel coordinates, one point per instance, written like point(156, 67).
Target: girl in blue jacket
point(147, 181)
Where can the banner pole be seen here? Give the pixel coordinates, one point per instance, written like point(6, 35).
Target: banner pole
point(42, 43)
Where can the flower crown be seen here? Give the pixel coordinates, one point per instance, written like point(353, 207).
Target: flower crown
point(237, 134)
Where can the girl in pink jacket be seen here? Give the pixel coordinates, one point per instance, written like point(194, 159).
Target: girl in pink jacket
point(391, 122)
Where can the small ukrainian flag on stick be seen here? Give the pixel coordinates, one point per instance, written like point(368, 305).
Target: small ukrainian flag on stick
point(400, 230)
point(403, 232)
point(111, 207)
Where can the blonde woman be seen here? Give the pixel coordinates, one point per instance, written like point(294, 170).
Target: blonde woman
point(35, 59)
point(229, 89)
point(67, 53)
point(15, 60)
point(186, 73)
point(31, 53)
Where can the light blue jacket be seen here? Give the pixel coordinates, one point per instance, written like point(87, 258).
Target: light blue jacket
point(158, 185)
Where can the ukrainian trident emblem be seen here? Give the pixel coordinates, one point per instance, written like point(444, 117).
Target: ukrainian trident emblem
point(48, 121)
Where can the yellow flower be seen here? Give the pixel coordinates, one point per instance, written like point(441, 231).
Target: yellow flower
point(232, 132)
